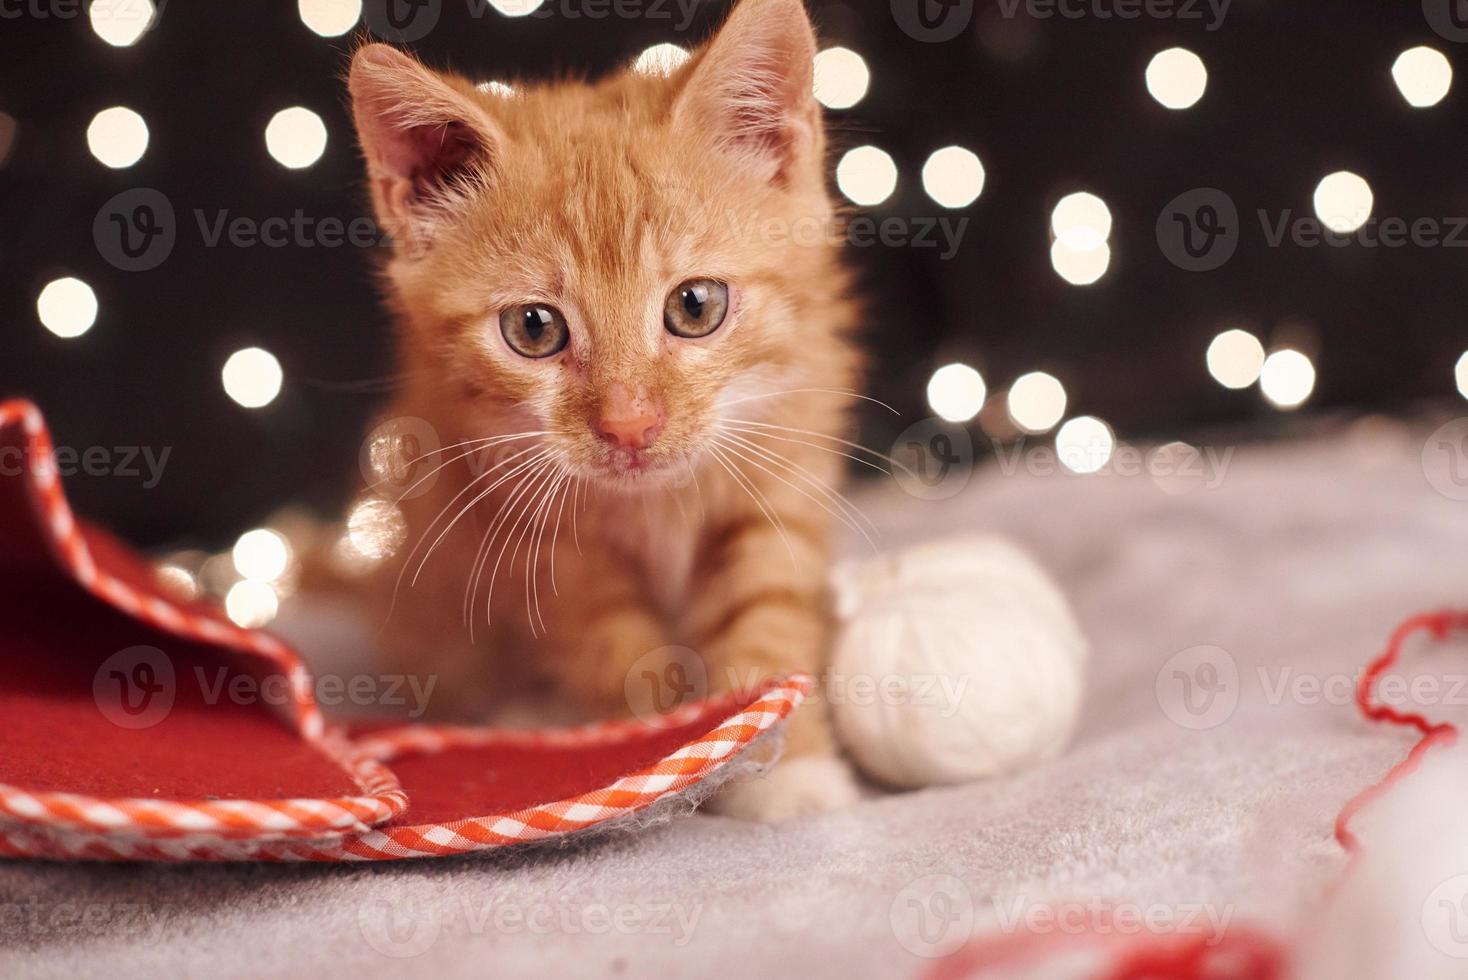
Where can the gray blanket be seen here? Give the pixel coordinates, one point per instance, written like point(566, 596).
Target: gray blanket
point(1287, 562)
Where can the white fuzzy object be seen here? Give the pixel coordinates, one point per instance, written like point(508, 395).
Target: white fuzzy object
point(956, 660)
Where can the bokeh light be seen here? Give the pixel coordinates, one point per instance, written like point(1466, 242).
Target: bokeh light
point(1343, 201)
point(954, 177)
point(1288, 379)
point(660, 60)
point(250, 604)
point(252, 377)
point(1080, 267)
point(1036, 402)
point(517, 8)
point(177, 581)
point(842, 78)
point(1085, 444)
point(118, 137)
point(296, 137)
point(1423, 75)
point(330, 18)
point(956, 392)
point(261, 555)
point(1460, 374)
point(867, 175)
point(67, 307)
point(121, 24)
point(1177, 78)
point(375, 529)
point(1082, 221)
point(1235, 359)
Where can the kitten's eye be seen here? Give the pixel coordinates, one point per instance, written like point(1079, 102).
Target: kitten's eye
point(534, 330)
point(696, 308)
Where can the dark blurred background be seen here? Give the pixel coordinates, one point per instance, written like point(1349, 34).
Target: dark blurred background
point(1296, 90)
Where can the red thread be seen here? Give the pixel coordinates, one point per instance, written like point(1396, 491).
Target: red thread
point(1242, 954)
point(1439, 624)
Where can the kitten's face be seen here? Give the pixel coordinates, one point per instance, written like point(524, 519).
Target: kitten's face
point(616, 266)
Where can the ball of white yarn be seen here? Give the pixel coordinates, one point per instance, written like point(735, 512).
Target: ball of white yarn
point(955, 661)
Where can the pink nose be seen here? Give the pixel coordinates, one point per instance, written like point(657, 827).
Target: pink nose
point(632, 431)
point(629, 421)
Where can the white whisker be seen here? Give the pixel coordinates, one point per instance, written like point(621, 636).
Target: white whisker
point(575, 523)
point(471, 504)
point(540, 481)
point(532, 555)
point(838, 512)
point(476, 445)
point(759, 499)
point(814, 391)
point(408, 558)
point(754, 428)
point(523, 492)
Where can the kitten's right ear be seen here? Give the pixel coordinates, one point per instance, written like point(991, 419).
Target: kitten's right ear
point(420, 133)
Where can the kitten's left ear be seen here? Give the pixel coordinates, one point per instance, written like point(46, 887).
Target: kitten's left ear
point(752, 89)
point(421, 133)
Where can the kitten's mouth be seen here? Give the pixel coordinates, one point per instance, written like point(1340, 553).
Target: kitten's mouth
point(634, 466)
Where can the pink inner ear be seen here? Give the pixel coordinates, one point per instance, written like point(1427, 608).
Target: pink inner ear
point(429, 156)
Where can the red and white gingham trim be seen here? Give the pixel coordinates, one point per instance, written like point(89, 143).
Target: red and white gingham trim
point(70, 547)
point(382, 797)
point(225, 819)
point(690, 764)
point(394, 743)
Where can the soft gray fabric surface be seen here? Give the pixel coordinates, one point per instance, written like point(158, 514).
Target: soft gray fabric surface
point(1301, 557)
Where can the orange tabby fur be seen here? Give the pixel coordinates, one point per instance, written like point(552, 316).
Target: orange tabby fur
point(599, 199)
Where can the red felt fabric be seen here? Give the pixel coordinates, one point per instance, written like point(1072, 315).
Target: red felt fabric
point(459, 783)
point(55, 635)
point(53, 737)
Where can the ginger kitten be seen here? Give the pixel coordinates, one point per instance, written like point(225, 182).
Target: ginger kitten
point(626, 294)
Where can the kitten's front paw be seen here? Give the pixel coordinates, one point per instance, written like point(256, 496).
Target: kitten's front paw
point(794, 788)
